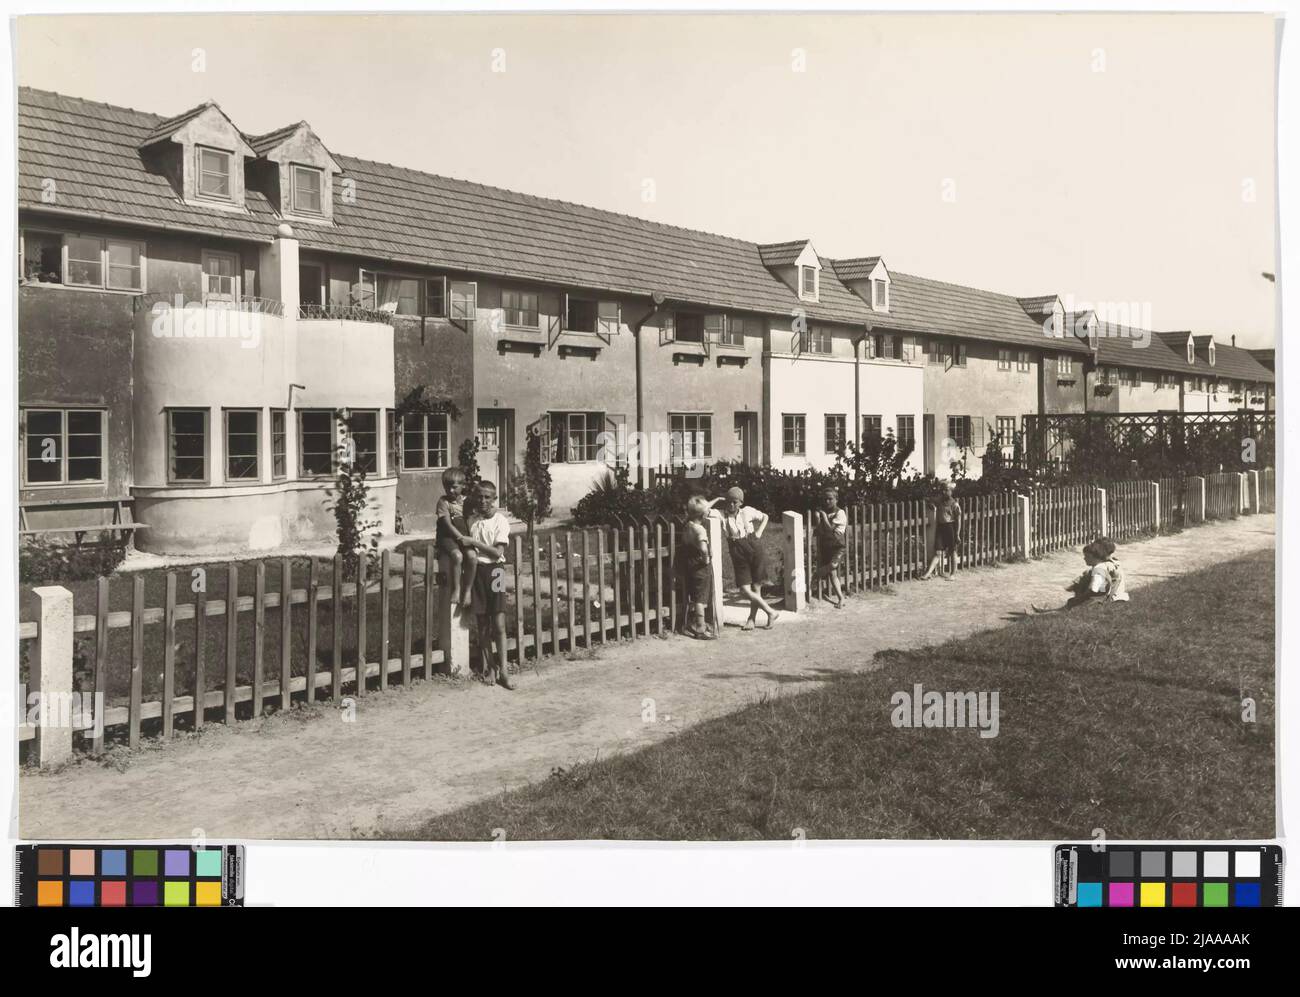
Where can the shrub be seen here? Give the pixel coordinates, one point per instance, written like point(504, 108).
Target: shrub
point(41, 560)
point(528, 492)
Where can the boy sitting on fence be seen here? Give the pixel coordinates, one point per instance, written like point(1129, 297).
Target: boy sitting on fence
point(453, 535)
point(832, 525)
point(489, 533)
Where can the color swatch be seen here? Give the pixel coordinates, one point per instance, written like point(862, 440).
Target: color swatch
point(129, 876)
point(1168, 875)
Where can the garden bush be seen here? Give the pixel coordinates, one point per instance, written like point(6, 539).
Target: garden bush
point(42, 560)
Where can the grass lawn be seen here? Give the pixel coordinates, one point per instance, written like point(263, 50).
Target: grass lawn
point(1122, 717)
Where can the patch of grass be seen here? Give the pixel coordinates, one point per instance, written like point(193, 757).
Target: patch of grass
point(1122, 717)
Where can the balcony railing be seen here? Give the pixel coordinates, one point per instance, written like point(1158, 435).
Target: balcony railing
point(238, 303)
point(350, 313)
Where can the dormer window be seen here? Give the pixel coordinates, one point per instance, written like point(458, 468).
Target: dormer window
point(1211, 353)
point(880, 295)
point(307, 190)
point(214, 173)
point(1191, 352)
point(808, 283)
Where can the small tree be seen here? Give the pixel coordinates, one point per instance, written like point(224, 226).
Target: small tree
point(528, 494)
point(352, 502)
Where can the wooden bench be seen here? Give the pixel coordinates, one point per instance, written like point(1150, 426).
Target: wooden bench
point(120, 527)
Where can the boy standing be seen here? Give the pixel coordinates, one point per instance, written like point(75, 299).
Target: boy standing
point(832, 525)
point(947, 531)
point(489, 533)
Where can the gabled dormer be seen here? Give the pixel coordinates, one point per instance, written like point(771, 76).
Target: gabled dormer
point(1048, 312)
point(797, 265)
point(1204, 348)
point(867, 277)
point(202, 153)
point(1084, 326)
point(296, 173)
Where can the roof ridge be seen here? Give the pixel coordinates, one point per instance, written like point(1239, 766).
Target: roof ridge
point(101, 103)
point(963, 287)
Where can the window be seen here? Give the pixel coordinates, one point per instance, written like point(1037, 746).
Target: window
point(686, 327)
point(871, 428)
point(948, 354)
point(1024, 362)
point(220, 276)
point(242, 438)
point(587, 315)
point(808, 282)
point(279, 444)
point(715, 327)
point(214, 174)
point(740, 326)
point(43, 257)
point(464, 301)
point(363, 430)
point(883, 347)
point(187, 445)
point(1191, 352)
point(880, 295)
point(315, 443)
point(1004, 359)
point(1006, 429)
point(435, 297)
point(959, 354)
point(574, 437)
point(835, 426)
point(938, 351)
point(959, 430)
point(401, 295)
point(424, 441)
point(792, 436)
point(817, 339)
point(906, 432)
point(114, 264)
point(62, 446)
point(520, 308)
point(1065, 365)
point(691, 436)
point(307, 190)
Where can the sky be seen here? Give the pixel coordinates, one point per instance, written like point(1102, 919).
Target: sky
point(1114, 160)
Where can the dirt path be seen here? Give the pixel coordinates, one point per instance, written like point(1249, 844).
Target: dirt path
point(439, 745)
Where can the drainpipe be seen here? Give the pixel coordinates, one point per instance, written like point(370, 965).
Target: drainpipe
point(656, 302)
point(858, 342)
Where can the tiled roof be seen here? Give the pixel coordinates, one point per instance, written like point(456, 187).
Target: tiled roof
point(405, 216)
point(855, 269)
point(925, 305)
point(1239, 363)
point(1266, 357)
point(261, 144)
point(167, 127)
point(781, 254)
point(1119, 345)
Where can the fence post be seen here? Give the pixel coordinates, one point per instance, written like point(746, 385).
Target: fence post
point(1243, 499)
point(453, 623)
point(1104, 519)
point(1155, 506)
point(1252, 491)
point(796, 586)
point(1197, 484)
point(51, 676)
point(1025, 537)
point(715, 570)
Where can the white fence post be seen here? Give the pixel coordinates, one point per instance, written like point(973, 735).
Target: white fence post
point(455, 622)
point(50, 673)
point(796, 585)
point(715, 569)
point(1026, 538)
point(1105, 516)
point(1198, 483)
point(1155, 506)
point(1252, 490)
point(1243, 498)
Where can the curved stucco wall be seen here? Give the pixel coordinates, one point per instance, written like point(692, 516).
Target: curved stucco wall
point(201, 358)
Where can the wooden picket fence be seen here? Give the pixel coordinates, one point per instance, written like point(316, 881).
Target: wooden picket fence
point(990, 529)
point(566, 593)
point(1064, 516)
point(1222, 496)
point(1267, 490)
point(1131, 509)
point(886, 544)
point(1193, 502)
point(1173, 497)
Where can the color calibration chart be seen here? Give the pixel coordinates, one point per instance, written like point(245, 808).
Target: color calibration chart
point(1168, 875)
point(129, 876)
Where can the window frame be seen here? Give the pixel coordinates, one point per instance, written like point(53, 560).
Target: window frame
point(1004, 359)
point(735, 338)
point(878, 432)
point(1064, 365)
point(256, 476)
point(319, 175)
point(879, 295)
point(816, 334)
point(806, 271)
point(170, 442)
point(200, 173)
point(565, 418)
point(908, 438)
point(831, 442)
point(677, 437)
point(206, 256)
point(693, 318)
point(424, 433)
point(64, 480)
point(303, 473)
point(349, 435)
point(962, 439)
point(1024, 361)
point(798, 421)
point(283, 433)
point(104, 261)
point(535, 311)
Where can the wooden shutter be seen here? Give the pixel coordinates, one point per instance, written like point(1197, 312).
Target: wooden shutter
point(557, 319)
point(464, 301)
point(608, 319)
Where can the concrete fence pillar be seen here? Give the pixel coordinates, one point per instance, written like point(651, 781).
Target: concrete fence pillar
point(50, 674)
point(1243, 495)
point(1104, 518)
point(1155, 506)
point(796, 583)
point(455, 623)
point(1252, 490)
point(1025, 533)
point(715, 570)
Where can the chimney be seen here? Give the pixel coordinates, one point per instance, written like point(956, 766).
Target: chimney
point(1234, 339)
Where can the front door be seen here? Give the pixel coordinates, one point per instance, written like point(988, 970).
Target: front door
point(310, 291)
point(746, 429)
point(927, 438)
point(491, 446)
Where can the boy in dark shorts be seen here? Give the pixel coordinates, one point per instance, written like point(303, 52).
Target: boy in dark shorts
point(832, 524)
point(489, 533)
point(453, 532)
point(697, 567)
point(947, 531)
point(743, 526)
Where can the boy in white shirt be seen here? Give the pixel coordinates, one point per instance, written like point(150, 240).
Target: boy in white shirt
point(489, 533)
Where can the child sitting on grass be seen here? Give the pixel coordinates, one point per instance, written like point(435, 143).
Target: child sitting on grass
point(1101, 581)
point(832, 526)
point(696, 566)
point(453, 535)
point(489, 533)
